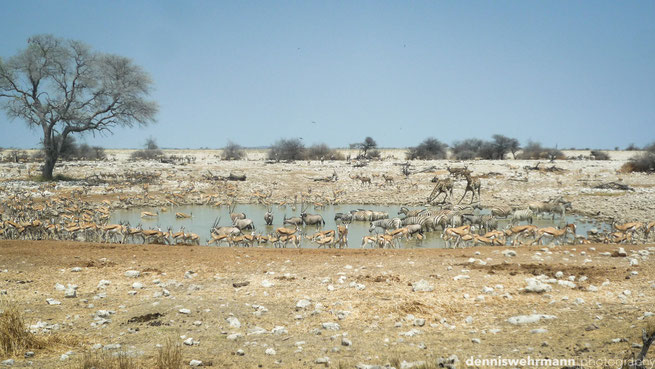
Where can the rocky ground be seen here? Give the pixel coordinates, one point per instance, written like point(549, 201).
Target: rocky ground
point(244, 308)
point(503, 182)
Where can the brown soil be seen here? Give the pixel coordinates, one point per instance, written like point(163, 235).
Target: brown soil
point(583, 330)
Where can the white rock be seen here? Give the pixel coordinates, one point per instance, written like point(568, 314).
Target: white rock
point(70, 292)
point(52, 301)
point(233, 321)
point(189, 341)
point(8, 362)
point(270, 351)
point(302, 304)
point(527, 319)
point(509, 253)
point(422, 286)
point(76, 269)
point(132, 273)
point(256, 331)
point(461, 276)
point(185, 311)
point(331, 326)
point(60, 287)
point(267, 284)
point(559, 275)
point(539, 331)
point(233, 336)
point(137, 285)
point(536, 286)
point(103, 283)
point(279, 330)
point(195, 363)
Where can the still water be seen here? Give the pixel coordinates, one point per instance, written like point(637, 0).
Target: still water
point(203, 217)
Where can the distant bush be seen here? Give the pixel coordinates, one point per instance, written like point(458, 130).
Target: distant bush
point(429, 149)
point(631, 147)
point(86, 152)
point(599, 155)
point(534, 151)
point(151, 151)
point(323, 152)
point(467, 149)
point(644, 162)
point(287, 149)
point(233, 151)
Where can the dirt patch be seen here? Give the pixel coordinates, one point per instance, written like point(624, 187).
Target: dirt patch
point(593, 273)
point(145, 318)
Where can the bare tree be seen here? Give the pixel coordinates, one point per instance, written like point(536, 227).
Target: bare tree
point(503, 145)
point(63, 87)
point(368, 144)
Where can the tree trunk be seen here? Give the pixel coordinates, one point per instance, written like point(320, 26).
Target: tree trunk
point(51, 155)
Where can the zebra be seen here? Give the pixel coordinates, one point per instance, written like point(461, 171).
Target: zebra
point(521, 215)
point(420, 220)
point(343, 217)
point(501, 211)
point(385, 224)
point(410, 213)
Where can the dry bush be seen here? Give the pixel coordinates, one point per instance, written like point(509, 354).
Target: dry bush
point(170, 356)
point(323, 152)
point(599, 155)
point(106, 360)
point(233, 151)
point(429, 149)
point(640, 163)
point(534, 151)
point(287, 150)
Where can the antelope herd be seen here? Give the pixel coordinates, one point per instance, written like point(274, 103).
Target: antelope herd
point(66, 217)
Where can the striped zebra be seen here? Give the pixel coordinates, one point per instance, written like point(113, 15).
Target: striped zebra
point(521, 215)
point(419, 220)
point(385, 224)
point(410, 213)
point(501, 211)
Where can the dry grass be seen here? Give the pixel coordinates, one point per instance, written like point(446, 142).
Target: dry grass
point(170, 356)
point(15, 338)
point(107, 360)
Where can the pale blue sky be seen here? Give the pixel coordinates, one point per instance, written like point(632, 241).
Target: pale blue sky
point(566, 73)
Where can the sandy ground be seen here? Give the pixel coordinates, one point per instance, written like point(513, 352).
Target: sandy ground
point(367, 293)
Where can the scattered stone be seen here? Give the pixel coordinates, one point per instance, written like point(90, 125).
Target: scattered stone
point(233, 321)
point(103, 283)
point(279, 330)
point(195, 363)
point(323, 360)
point(536, 286)
point(184, 311)
point(132, 274)
point(52, 301)
point(240, 284)
point(190, 342)
point(422, 286)
point(234, 336)
point(469, 320)
point(29, 354)
point(419, 322)
point(302, 304)
point(256, 331)
point(527, 319)
point(410, 333)
point(60, 287)
point(270, 351)
point(559, 275)
point(346, 342)
point(240, 352)
point(539, 331)
point(267, 284)
point(461, 276)
point(113, 346)
point(509, 253)
point(330, 326)
point(8, 362)
point(76, 269)
point(137, 285)
point(71, 292)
